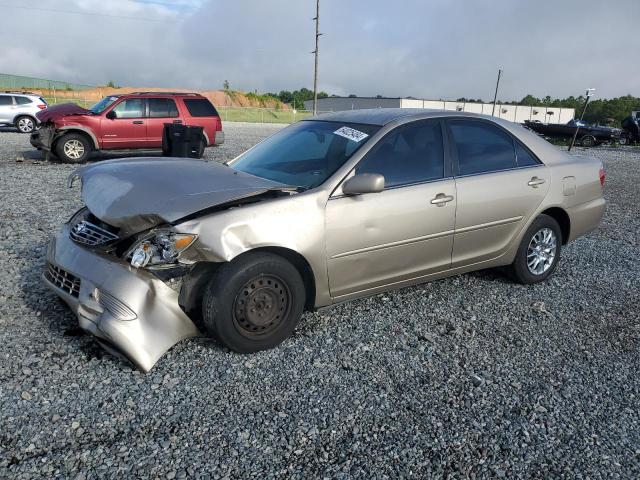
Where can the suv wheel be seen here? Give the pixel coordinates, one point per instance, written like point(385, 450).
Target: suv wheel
point(253, 303)
point(588, 141)
point(539, 251)
point(25, 124)
point(73, 148)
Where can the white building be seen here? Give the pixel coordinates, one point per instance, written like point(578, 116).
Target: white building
point(513, 113)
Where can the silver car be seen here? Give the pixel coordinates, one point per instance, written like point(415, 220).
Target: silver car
point(327, 210)
point(19, 109)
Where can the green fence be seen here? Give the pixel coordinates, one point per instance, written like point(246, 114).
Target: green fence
point(19, 82)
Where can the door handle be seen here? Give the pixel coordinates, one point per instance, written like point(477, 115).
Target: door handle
point(177, 121)
point(535, 181)
point(441, 199)
point(138, 122)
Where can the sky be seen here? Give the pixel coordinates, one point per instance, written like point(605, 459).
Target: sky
point(422, 48)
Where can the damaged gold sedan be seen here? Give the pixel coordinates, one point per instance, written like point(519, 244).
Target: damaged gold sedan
point(328, 209)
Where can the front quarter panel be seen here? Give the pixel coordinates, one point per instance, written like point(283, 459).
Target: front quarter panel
point(294, 222)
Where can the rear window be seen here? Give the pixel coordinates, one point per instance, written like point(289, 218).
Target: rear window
point(23, 100)
point(200, 107)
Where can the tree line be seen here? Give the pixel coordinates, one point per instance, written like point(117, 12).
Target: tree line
point(603, 110)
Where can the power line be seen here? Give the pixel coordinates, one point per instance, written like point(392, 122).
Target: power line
point(108, 15)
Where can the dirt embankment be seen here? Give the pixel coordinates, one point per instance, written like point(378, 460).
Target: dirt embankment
point(219, 98)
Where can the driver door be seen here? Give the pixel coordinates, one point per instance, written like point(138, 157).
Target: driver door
point(402, 233)
point(128, 129)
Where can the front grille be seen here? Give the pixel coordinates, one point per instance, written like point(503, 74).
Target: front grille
point(87, 233)
point(117, 308)
point(62, 279)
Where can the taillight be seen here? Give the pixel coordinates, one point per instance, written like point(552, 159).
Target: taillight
point(42, 107)
point(602, 176)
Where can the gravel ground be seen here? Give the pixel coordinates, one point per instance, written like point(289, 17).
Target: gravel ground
point(472, 376)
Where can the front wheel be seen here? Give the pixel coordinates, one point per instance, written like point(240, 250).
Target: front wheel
point(588, 141)
point(73, 148)
point(25, 124)
point(539, 251)
point(254, 302)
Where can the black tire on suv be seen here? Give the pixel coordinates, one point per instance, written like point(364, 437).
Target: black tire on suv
point(25, 124)
point(73, 148)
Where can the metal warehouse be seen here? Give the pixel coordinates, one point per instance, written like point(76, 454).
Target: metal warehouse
point(513, 113)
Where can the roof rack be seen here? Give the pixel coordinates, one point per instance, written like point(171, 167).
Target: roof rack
point(164, 93)
point(21, 92)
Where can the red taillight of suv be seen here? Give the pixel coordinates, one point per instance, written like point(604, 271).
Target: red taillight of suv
point(602, 176)
point(42, 107)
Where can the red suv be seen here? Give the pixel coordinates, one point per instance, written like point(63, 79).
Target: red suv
point(123, 122)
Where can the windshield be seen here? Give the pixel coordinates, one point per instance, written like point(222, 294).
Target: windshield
point(102, 104)
point(306, 153)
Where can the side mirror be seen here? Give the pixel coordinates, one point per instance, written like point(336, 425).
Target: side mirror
point(111, 115)
point(363, 183)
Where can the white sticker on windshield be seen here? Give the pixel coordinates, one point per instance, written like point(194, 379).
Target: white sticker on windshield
point(351, 134)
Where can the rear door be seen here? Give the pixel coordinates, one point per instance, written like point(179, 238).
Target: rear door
point(6, 109)
point(159, 112)
point(499, 184)
point(128, 129)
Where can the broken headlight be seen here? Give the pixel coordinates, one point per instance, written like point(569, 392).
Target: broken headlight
point(160, 248)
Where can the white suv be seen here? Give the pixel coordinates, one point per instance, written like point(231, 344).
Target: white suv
point(19, 109)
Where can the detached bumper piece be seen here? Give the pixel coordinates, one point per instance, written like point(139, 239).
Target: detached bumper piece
point(131, 312)
point(42, 138)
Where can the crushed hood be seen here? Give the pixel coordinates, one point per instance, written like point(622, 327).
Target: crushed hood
point(53, 113)
point(139, 193)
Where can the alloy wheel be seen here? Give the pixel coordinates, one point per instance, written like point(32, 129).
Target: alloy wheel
point(25, 125)
point(74, 149)
point(541, 252)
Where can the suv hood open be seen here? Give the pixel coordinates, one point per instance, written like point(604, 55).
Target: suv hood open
point(55, 112)
point(135, 194)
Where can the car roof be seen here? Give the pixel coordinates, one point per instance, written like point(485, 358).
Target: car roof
point(157, 94)
point(383, 116)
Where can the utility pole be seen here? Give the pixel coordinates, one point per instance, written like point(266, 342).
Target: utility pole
point(588, 95)
point(495, 95)
point(315, 52)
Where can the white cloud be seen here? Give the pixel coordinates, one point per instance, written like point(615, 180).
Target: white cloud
point(435, 49)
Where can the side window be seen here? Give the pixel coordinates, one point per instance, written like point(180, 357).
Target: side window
point(23, 100)
point(481, 147)
point(162, 108)
point(200, 107)
point(524, 157)
point(130, 108)
point(409, 154)
point(5, 100)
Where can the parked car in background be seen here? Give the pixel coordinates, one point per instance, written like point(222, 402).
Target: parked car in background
point(133, 121)
point(588, 135)
point(20, 109)
point(329, 209)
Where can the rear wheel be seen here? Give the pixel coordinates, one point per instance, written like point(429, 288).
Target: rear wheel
point(623, 140)
point(253, 303)
point(25, 124)
point(73, 148)
point(588, 141)
point(539, 251)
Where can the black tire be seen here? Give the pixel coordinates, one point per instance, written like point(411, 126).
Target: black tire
point(67, 154)
point(623, 140)
point(199, 151)
point(254, 302)
point(25, 124)
point(519, 269)
point(588, 141)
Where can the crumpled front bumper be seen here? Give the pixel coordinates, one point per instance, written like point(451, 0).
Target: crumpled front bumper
point(130, 311)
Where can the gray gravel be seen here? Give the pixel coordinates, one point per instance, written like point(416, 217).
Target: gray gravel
point(472, 376)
